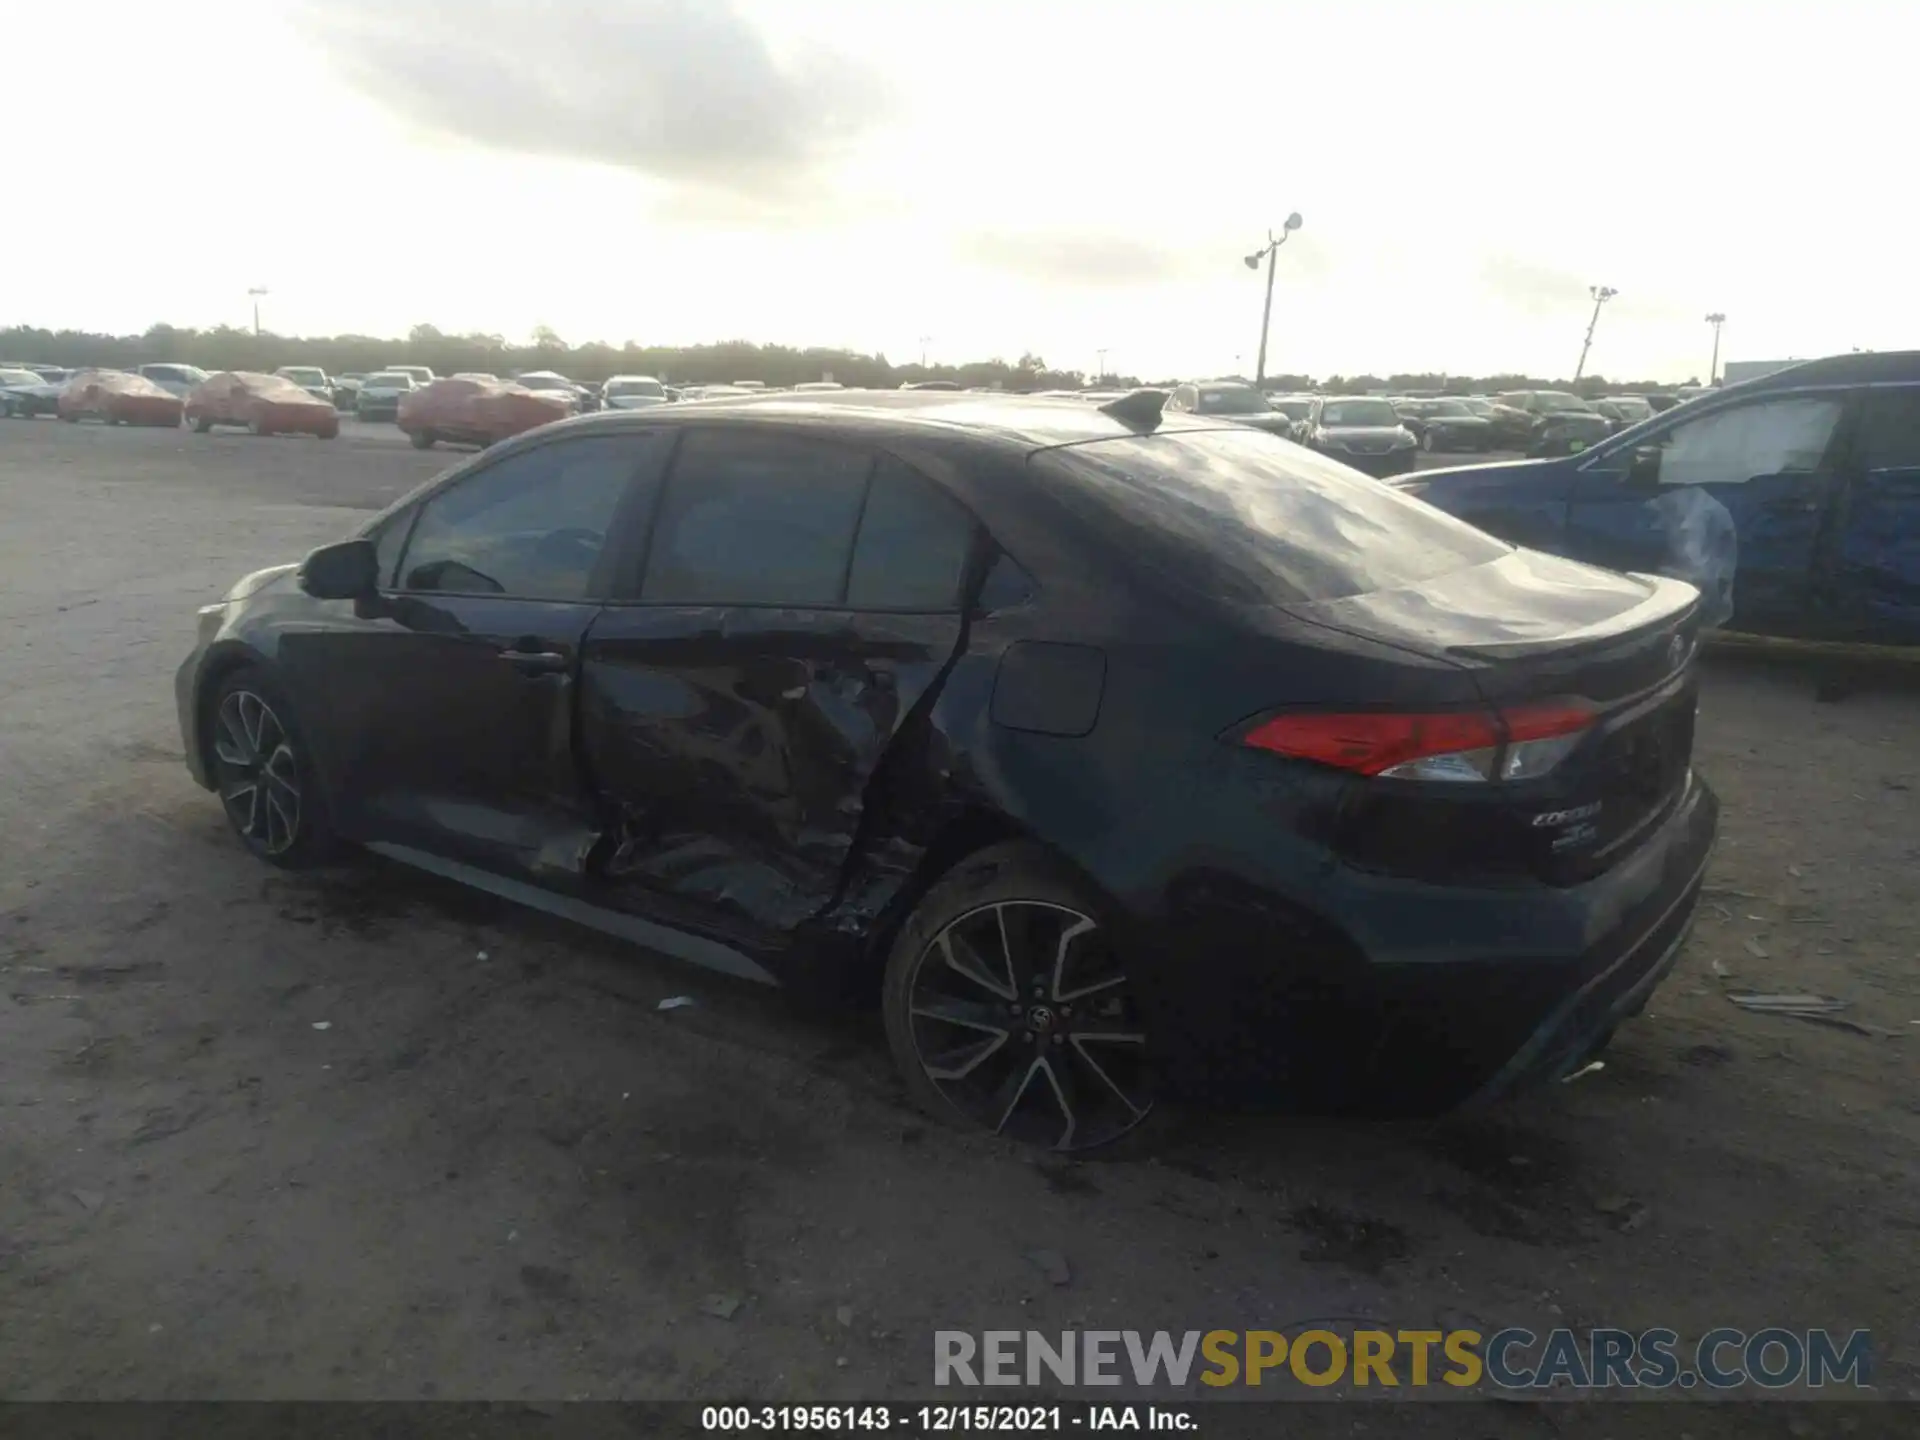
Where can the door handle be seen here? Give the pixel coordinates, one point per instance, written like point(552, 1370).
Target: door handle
point(537, 662)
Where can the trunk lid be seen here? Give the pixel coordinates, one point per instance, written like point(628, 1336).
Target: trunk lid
point(1534, 629)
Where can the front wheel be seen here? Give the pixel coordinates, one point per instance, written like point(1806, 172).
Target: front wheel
point(262, 770)
point(1008, 1010)
point(423, 439)
point(202, 425)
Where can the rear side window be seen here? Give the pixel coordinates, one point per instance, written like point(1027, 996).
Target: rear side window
point(1235, 517)
point(756, 519)
point(912, 550)
point(1890, 429)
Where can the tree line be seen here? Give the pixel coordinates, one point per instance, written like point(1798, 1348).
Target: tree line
point(229, 347)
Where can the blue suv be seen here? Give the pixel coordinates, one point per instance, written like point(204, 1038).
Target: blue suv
point(1791, 500)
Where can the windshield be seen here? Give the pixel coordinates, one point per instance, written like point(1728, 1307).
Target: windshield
point(544, 382)
point(1236, 517)
point(191, 373)
point(1232, 400)
point(389, 382)
point(302, 375)
point(1293, 409)
point(18, 377)
point(1358, 412)
point(635, 387)
point(1554, 400)
point(1631, 405)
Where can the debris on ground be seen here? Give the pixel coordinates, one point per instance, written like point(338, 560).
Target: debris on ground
point(1052, 1264)
point(676, 1002)
point(1754, 948)
point(1613, 1204)
point(1592, 1067)
point(844, 1314)
point(1786, 1004)
point(90, 1200)
point(323, 1024)
point(721, 1307)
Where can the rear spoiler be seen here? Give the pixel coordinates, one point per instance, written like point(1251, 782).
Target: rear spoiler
point(1672, 602)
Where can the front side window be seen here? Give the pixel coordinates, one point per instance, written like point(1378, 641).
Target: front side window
point(756, 519)
point(1784, 436)
point(531, 526)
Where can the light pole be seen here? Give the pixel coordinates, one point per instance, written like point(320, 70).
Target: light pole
point(923, 350)
point(1601, 294)
point(1102, 353)
point(256, 292)
point(1268, 252)
point(1713, 366)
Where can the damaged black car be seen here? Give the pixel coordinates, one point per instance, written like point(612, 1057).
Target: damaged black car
point(1121, 756)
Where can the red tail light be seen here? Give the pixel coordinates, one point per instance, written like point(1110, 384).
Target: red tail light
point(1517, 743)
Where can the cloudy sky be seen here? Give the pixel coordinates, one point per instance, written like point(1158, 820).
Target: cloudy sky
point(1051, 175)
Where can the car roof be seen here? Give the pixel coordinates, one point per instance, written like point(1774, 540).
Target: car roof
point(1869, 367)
point(1029, 422)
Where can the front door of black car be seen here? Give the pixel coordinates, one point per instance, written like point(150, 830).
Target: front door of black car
point(799, 604)
point(457, 689)
point(1733, 499)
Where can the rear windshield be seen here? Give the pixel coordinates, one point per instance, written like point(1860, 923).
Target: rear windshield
point(394, 381)
point(303, 377)
point(1233, 516)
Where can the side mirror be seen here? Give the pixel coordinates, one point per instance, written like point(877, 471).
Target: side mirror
point(348, 570)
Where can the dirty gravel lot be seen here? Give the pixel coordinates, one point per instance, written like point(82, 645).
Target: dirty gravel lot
point(364, 1135)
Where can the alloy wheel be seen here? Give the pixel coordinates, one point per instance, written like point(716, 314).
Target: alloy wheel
point(259, 772)
point(1023, 1019)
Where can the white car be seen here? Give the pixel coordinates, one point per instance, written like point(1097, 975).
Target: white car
point(175, 379)
point(379, 395)
point(632, 392)
point(310, 378)
point(422, 374)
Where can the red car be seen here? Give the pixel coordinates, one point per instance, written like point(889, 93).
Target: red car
point(476, 412)
point(265, 404)
point(114, 397)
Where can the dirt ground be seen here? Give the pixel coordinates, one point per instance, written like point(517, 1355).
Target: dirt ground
point(365, 1135)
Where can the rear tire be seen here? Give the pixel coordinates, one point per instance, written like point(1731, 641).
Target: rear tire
point(202, 425)
point(259, 427)
point(1007, 1010)
point(423, 439)
point(259, 759)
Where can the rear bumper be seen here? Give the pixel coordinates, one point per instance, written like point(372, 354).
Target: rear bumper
point(1400, 997)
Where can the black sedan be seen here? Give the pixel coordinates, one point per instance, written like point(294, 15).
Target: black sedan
point(1360, 431)
point(1445, 425)
point(1119, 755)
point(27, 393)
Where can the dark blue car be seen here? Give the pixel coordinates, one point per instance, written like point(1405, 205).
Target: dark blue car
point(1792, 500)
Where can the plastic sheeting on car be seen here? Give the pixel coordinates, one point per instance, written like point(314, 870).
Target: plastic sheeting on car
point(477, 410)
